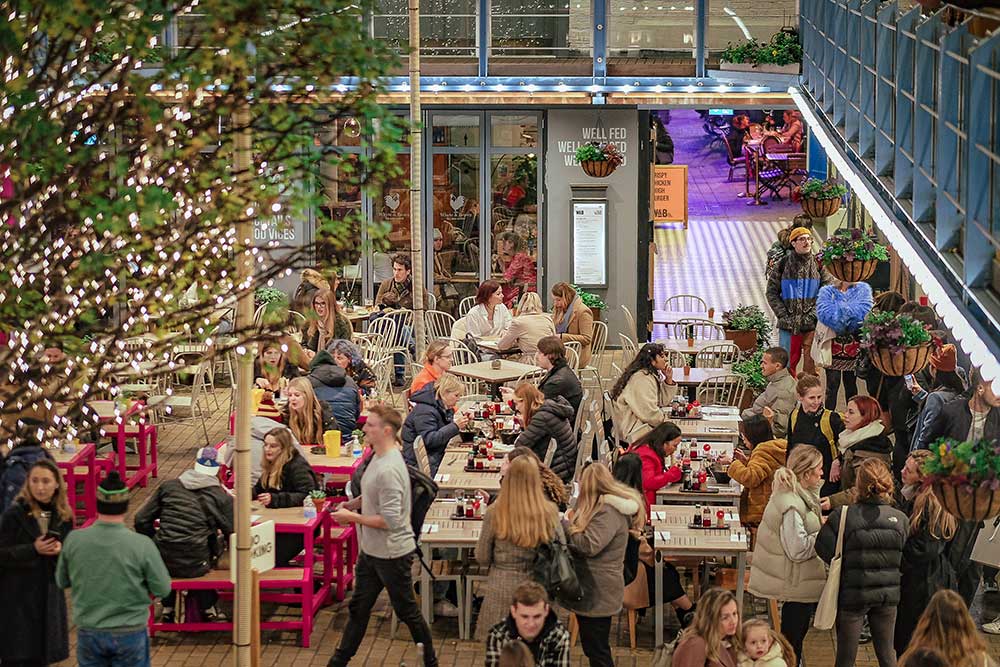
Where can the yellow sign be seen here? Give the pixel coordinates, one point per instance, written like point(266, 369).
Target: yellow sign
point(669, 200)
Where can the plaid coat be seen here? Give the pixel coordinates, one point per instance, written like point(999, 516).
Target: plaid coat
point(550, 648)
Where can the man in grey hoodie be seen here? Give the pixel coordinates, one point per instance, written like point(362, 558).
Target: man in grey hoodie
point(193, 510)
point(778, 399)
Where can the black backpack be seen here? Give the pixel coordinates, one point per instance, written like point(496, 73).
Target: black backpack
point(423, 491)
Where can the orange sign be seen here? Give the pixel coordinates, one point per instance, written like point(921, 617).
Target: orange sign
point(669, 200)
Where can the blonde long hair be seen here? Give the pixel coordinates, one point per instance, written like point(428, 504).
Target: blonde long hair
point(595, 482)
point(787, 652)
point(522, 514)
point(306, 424)
point(270, 471)
point(59, 501)
point(940, 524)
point(531, 304)
point(803, 459)
point(947, 627)
point(706, 622)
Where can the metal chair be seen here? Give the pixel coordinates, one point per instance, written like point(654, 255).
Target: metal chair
point(573, 354)
point(581, 413)
point(465, 305)
point(532, 377)
point(631, 329)
point(437, 324)
point(699, 329)
point(551, 451)
point(460, 356)
point(685, 303)
point(723, 355)
point(583, 453)
point(420, 452)
point(629, 349)
point(722, 390)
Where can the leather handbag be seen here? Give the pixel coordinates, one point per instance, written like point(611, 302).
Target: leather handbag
point(555, 570)
point(826, 608)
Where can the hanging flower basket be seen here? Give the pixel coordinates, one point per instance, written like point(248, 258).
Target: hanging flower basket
point(599, 159)
point(820, 208)
point(965, 477)
point(906, 362)
point(819, 199)
point(968, 503)
point(852, 272)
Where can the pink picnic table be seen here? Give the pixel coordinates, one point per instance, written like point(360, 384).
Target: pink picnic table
point(133, 424)
point(84, 457)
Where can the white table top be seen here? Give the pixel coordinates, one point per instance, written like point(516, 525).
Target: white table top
point(674, 316)
point(484, 371)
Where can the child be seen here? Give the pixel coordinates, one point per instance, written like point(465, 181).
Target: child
point(812, 424)
point(763, 647)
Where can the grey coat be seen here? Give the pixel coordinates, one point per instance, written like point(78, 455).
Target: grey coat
point(510, 566)
point(600, 550)
point(779, 395)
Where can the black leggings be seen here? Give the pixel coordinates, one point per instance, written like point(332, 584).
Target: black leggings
point(833, 386)
point(796, 617)
point(595, 636)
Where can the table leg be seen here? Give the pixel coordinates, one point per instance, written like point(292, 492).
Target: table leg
point(70, 479)
point(658, 595)
point(122, 463)
point(309, 541)
point(495, 392)
point(90, 485)
point(741, 571)
point(426, 594)
point(328, 556)
point(756, 201)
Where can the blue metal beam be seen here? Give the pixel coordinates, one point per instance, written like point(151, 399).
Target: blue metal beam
point(983, 216)
point(600, 54)
point(483, 30)
point(701, 22)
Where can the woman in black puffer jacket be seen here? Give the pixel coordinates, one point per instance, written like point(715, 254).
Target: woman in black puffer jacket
point(873, 550)
point(286, 479)
point(545, 419)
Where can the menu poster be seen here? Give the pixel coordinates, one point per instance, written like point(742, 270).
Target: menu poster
point(590, 243)
point(669, 193)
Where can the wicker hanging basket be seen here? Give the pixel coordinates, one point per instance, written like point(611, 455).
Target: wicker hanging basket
point(907, 362)
point(852, 272)
point(968, 505)
point(598, 168)
point(820, 208)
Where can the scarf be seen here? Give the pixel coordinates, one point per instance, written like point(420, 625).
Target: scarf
point(909, 491)
point(849, 438)
point(563, 324)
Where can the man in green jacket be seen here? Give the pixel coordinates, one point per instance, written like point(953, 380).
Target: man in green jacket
point(112, 573)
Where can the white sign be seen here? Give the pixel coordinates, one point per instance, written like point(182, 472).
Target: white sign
point(590, 244)
point(261, 549)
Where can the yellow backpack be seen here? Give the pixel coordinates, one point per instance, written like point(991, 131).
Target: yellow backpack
point(825, 427)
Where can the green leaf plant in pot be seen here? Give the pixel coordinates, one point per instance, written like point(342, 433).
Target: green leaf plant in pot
point(747, 326)
point(599, 159)
point(819, 198)
point(319, 499)
point(749, 369)
point(965, 477)
point(852, 255)
point(592, 301)
point(897, 344)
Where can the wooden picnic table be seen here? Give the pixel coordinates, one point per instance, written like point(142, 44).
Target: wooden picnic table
point(721, 494)
point(696, 376)
point(452, 476)
point(483, 371)
point(441, 532)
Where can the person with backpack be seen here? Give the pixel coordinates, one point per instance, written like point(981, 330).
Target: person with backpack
point(386, 541)
point(14, 468)
point(812, 424)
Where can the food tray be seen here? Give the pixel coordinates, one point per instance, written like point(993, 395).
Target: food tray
point(482, 470)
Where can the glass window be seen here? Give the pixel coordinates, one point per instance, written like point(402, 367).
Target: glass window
point(640, 30)
point(338, 220)
point(456, 235)
point(741, 22)
point(447, 27)
point(559, 29)
point(519, 131)
point(514, 212)
point(391, 218)
point(459, 131)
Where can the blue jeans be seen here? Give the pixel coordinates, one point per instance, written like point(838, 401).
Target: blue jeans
point(112, 648)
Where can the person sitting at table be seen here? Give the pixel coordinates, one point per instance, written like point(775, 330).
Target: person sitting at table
point(347, 356)
point(259, 427)
point(307, 416)
point(560, 380)
point(285, 481)
point(555, 489)
point(739, 127)
point(521, 519)
point(530, 325)
point(327, 324)
point(437, 361)
point(655, 449)
point(547, 419)
point(573, 320)
point(489, 318)
point(397, 291)
point(520, 272)
point(271, 370)
point(335, 388)
point(641, 397)
point(791, 132)
point(433, 418)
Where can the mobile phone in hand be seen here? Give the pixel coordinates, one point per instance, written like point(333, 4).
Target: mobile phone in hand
point(908, 379)
point(53, 535)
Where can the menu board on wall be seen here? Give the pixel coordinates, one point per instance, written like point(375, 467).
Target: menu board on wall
point(590, 243)
point(669, 200)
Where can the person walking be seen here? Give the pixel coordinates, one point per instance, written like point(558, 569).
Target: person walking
point(641, 396)
point(513, 527)
point(812, 424)
point(111, 572)
point(756, 472)
point(785, 566)
point(863, 438)
point(874, 536)
point(192, 511)
point(35, 631)
point(947, 628)
point(841, 308)
point(946, 385)
point(386, 542)
point(791, 293)
point(532, 622)
point(544, 420)
point(598, 528)
point(777, 400)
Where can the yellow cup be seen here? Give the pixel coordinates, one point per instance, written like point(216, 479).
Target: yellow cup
point(331, 440)
point(256, 396)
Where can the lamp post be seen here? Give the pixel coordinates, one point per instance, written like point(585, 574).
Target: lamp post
point(416, 144)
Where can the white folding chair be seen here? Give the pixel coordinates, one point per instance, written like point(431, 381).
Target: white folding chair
point(723, 355)
point(420, 452)
point(685, 303)
point(465, 305)
point(551, 451)
point(699, 329)
point(721, 390)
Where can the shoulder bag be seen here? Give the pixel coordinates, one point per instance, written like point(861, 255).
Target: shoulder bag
point(555, 571)
point(826, 609)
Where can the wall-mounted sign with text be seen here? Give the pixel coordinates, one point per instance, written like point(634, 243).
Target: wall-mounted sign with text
point(669, 196)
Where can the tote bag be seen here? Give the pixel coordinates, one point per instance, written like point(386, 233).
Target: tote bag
point(826, 609)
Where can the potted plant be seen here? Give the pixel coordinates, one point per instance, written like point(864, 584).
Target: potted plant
point(898, 344)
point(965, 477)
point(852, 255)
point(599, 159)
point(592, 301)
point(819, 198)
point(749, 369)
point(747, 326)
point(781, 55)
point(319, 499)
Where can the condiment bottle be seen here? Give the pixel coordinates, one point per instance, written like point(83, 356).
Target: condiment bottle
point(697, 516)
point(460, 504)
point(720, 519)
point(706, 517)
point(477, 508)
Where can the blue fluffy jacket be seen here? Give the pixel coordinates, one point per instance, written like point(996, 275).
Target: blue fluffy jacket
point(844, 311)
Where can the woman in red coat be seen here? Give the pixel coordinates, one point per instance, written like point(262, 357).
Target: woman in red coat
point(654, 449)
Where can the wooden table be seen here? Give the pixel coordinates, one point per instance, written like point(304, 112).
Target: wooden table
point(696, 376)
point(484, 372)
point(727, 494)
point(441, 532)
point(291, 520)
point(711, 430)
point(85, 457)
point(133, 423)
point(333, 465)
point(680, 345)
point(672, 537)
point(359, 314)
point(451, 476)
point(675, 316)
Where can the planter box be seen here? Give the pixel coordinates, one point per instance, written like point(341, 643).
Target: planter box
point(745, 340)
point(852, 272)
point(764, 69)
point(596, 313)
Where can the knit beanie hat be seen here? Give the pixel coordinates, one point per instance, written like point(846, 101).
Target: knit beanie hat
point(207, 462)
point(112, 495)
point(796, 233)
point(945, 359)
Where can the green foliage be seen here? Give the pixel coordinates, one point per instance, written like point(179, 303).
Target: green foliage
point(749, 369)
point(815, 188)
point(590, 300)
point(749, 318)
point(852, 245)
point(783, 49)
point(964, 464)
point(896, 332)
point(599, 152)
point(317, 494)
point(268, 296)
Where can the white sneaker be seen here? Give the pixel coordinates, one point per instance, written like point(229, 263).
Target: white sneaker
point(993, 627)
point(445, 609)
point(990, 587)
